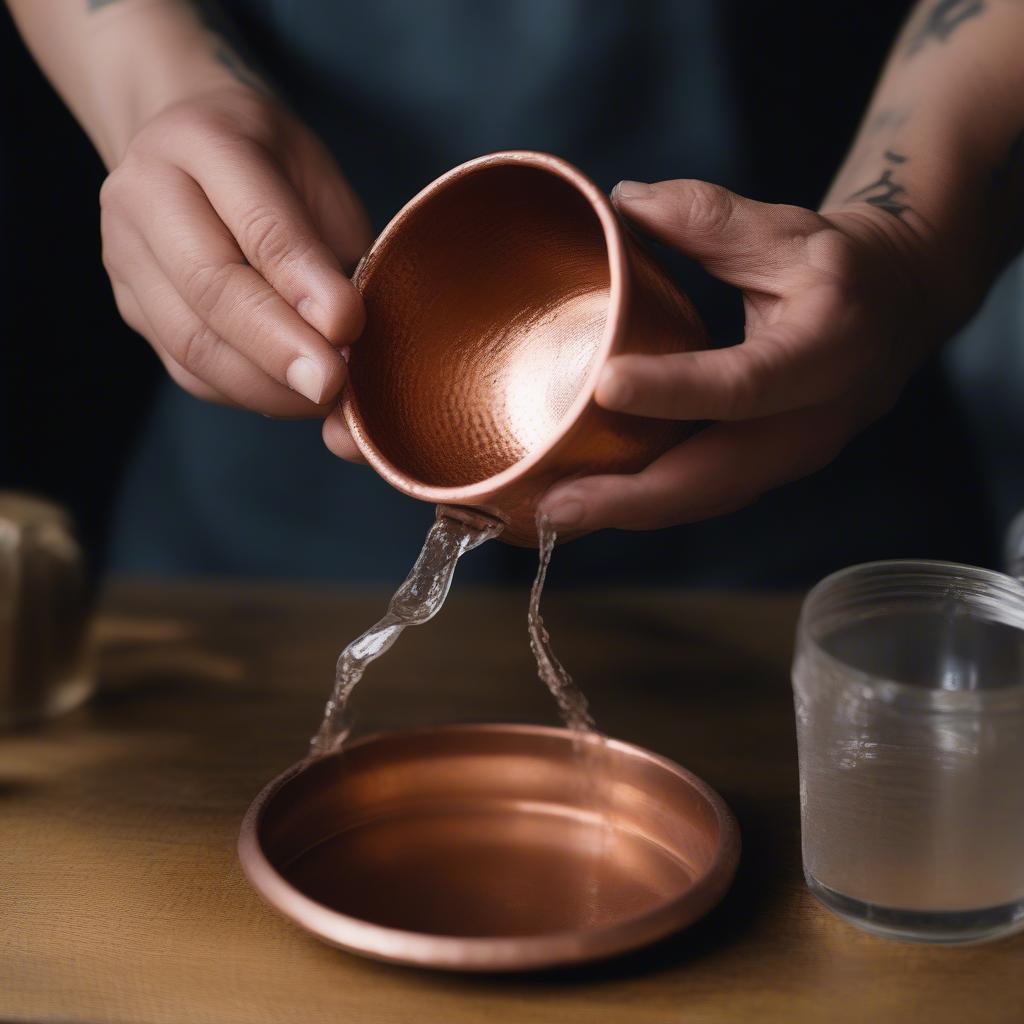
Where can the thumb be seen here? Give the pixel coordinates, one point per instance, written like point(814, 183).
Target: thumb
point(735, 238)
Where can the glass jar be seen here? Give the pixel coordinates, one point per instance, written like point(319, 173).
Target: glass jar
point(45, 667)
point(909, 691)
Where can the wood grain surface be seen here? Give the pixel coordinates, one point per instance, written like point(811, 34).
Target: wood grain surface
point(121, 899)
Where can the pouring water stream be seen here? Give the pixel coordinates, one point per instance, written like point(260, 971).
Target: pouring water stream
point(421, 597)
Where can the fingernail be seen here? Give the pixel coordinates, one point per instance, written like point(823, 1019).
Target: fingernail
point(566, 514)
point(633, 190)
point(616, 390)
point(304, 376)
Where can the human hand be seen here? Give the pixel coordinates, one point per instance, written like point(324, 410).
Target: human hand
point(837, 318)
point(226, 227)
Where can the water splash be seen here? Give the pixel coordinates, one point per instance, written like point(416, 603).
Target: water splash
point(416, 601)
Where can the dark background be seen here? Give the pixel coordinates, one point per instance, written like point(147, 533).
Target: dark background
point(75, 383)
point(74, 380)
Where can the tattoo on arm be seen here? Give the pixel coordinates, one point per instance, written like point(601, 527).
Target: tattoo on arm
point(888, 119)
point(218, 25)
point(883, 192)
point(221, 28)
point(942, 20)
point(240, 71)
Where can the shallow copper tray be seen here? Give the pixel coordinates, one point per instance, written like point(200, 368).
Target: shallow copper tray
point(489, 847)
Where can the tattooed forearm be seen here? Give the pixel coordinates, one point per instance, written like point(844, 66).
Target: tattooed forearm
point(227, 58)
point(221, 29)
point(883, 192)
point(218, 26)
point(941, 20)
point(888, 119)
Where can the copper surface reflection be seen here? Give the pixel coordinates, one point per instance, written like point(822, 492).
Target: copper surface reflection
point(489, 847)
point(493, 300)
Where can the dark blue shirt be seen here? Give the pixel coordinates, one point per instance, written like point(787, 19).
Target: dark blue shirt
point(402, 90)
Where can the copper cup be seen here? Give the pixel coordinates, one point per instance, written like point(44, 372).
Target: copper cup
point(489, 847)
point(494, 299)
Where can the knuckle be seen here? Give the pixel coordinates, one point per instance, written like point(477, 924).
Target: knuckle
point(637, 506)
point(118, 248)
point(744, 391)
point(115, 251)
point(336, 322)
point(831, 253)
point(191, 117)
point(115, 188)
point(194, 348)
point(704, 208)
point(125, 304)
point(189, 120)
point(129, 312)
point(343, 314)
point(265, 237)
point(260, 306)
point(205, 284)
point(111, 263)
point(182, 128)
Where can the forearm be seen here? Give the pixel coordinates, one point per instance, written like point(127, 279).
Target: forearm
point(941, 148)
point(118, 63)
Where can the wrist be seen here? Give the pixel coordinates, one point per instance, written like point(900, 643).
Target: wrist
point(918, 275)
point(926, 189)
point(940, 252)
point(151, 58)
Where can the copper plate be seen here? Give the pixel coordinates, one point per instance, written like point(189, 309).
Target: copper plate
point(489, 847)
point(494, 299)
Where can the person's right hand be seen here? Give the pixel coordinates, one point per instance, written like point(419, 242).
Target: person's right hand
point(226, 230)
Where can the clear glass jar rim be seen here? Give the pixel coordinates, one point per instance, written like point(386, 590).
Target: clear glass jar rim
point(1004, 594)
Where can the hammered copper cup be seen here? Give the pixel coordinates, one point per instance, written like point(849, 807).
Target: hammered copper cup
point(493, 300)
point(489, 847)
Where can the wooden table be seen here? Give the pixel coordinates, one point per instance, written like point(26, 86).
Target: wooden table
point(121, 898)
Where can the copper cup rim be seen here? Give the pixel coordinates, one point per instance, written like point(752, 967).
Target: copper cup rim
point(491, 954)
point(618, 298)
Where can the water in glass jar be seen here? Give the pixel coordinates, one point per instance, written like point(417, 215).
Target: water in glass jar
point(911, 737)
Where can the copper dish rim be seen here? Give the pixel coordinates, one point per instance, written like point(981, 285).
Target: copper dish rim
point(475, 954)
point(613, 329)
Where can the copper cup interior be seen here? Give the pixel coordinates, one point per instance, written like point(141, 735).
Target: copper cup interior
point(490, 847)
point(486, 307)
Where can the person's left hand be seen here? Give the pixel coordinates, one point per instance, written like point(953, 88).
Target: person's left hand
point(840, 309)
